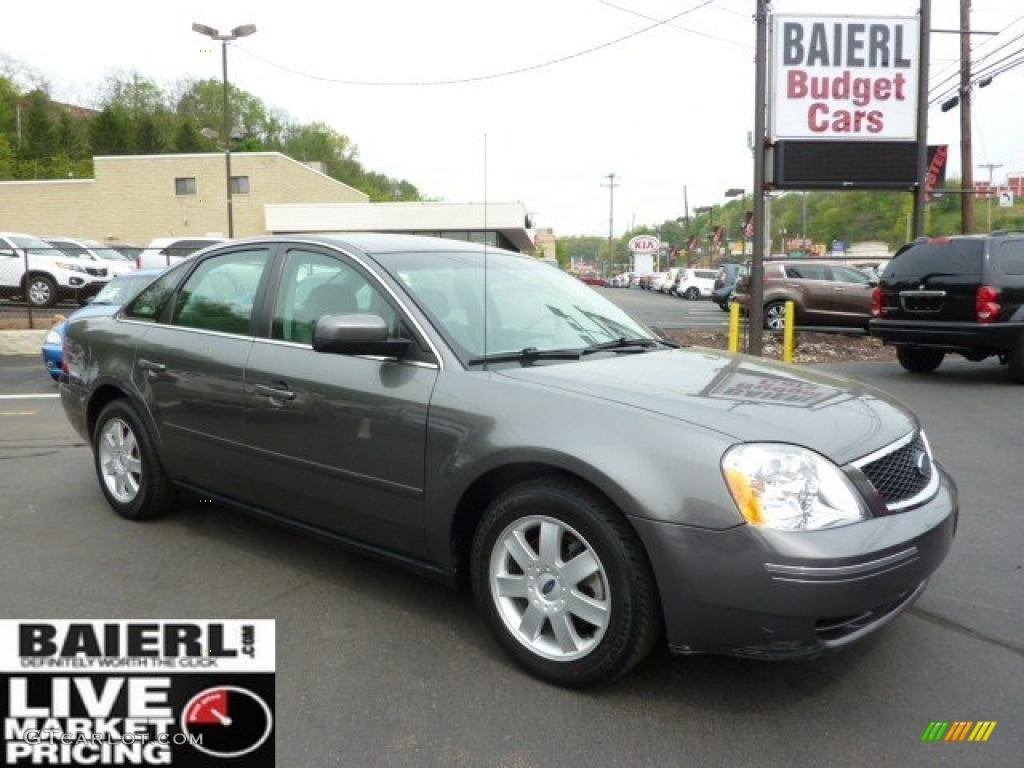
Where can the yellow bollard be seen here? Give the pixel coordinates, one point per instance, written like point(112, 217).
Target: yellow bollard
point(734, 327)
point(789, 333)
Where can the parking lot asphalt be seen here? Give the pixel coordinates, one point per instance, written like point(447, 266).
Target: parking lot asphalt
point(380, 667)
point(667, 312)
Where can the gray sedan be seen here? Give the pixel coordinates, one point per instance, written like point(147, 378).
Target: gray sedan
point(489, 421)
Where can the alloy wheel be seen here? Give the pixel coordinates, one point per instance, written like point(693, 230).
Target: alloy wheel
point(775, 317)
point(120, 460)
point(550, 588)
point(39, 293)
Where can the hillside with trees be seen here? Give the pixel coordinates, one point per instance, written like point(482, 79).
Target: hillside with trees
point(850, 217)
point(41, 138)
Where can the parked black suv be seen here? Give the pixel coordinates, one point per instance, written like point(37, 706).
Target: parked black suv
point(954, 294)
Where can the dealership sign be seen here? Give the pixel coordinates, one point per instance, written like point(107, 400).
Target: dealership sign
point(644, 244)
point(844, 78)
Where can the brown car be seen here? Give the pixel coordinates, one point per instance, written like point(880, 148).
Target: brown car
point(825, 293)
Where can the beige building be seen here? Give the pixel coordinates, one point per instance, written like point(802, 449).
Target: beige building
point(545, 242)
point(134, 198)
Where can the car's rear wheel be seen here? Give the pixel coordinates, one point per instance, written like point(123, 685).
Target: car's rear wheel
point(129, 470)
point(691, 293)
point(41, 291)
point(564, 583)
point(919, 359)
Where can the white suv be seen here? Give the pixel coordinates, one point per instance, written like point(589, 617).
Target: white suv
point(696, 283)
point(52, 275)
point(164, 251)
point(104, 256)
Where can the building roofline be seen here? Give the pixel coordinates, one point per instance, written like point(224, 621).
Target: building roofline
point(48, 181)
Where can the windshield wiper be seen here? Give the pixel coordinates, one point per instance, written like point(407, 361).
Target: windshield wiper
point(625, 344)
point(527, 355)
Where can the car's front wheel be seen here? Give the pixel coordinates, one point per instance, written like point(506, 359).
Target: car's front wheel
point(775, 316)
point(918, 359)
point(564, 583)
point(129, 470)
point(41, 291)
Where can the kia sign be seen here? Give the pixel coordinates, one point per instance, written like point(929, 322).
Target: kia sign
point(644, 244)
point(844, 78)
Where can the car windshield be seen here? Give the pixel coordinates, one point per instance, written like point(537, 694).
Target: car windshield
point(105, 252)
point(529, 304)
point(123, 289)
point(30, 243)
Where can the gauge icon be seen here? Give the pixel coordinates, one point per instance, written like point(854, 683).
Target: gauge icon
point(227, 721)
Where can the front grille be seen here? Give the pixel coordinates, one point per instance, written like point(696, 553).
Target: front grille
point(903, 473)
point(96, 271)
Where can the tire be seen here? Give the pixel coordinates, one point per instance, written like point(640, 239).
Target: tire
point(692, 293)
point(41, 291)
point(919, 359)
point(1015, 362)
point(775, 315)
point(152, 494)
point(620, 636)
point(724, 306)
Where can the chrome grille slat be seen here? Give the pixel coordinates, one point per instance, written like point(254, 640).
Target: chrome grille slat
point(894, 472)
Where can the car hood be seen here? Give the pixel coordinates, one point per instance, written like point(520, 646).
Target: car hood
point(746, 398)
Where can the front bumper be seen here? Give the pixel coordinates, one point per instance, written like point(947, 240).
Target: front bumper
point(52, 356)
point(996, 337)
point(758, 592)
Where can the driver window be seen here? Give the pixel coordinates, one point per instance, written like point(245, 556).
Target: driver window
point(220, 294)
point(313, 285)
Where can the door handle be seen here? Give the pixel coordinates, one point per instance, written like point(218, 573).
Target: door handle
point(274, 393)
point(837, 288)
point(149, 365)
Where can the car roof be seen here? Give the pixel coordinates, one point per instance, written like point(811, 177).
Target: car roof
point(387, 242)
point(160, 242)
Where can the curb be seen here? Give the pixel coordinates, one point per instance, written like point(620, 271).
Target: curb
point(21, 342)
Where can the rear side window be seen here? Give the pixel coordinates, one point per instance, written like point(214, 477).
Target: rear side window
point(1011, 257)
point(706, 274)
point(805, 271)
point(953, 257)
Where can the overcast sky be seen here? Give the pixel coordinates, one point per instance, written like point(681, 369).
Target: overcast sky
point(664, 109)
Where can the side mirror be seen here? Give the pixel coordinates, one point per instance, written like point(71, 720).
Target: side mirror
point(873, 282)
point(356, 334)
point(7, 252)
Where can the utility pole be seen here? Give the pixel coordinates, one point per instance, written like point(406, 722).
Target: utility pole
point(991, 167)
point(966, 152)
point(924, 55)
point(612, 184)
point(803, 216)
point(686, 211)
point(756, 309)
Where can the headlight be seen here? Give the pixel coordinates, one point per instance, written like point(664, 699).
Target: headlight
point(53, 337)
point(70, 267)
point(789, 487)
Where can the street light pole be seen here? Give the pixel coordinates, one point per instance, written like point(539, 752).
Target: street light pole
point(611, 217)
point(241, 31)
point(756, 308)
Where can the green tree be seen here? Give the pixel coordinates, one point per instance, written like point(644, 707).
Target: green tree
point(110, 131)
point(186, 137)
point(39, 129)
point(148, 140)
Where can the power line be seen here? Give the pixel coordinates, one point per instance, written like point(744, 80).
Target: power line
point(691, 30)
point(955, 65)
point(980, 59)
point(987, 71)
point(480, 78)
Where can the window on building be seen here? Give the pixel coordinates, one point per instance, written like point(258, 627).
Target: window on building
point(239, 185)
point(185, 185)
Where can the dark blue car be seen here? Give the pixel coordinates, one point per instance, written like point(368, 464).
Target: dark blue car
point(111, 298)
